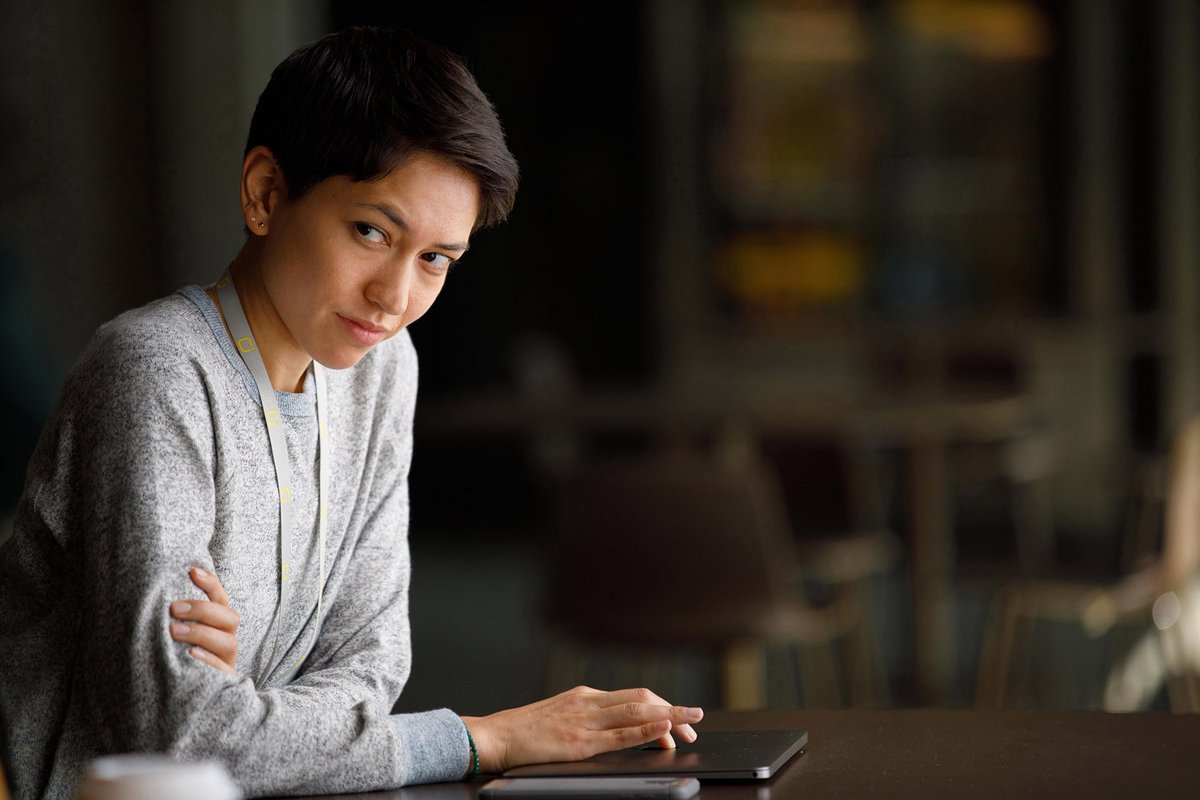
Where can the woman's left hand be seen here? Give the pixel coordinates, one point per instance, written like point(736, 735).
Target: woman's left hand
point(577, 724)
point(210, 625)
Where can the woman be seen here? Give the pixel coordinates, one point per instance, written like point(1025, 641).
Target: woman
point(246, 446)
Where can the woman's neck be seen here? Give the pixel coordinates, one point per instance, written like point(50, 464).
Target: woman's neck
point(287, 363)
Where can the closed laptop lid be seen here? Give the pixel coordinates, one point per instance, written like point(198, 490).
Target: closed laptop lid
point(715, 755)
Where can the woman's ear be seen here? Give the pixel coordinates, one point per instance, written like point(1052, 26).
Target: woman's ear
point(263, 188)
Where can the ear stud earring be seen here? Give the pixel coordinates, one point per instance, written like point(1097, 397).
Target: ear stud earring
point(261, 224)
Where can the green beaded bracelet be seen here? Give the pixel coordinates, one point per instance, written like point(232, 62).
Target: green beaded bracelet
point(474, 758)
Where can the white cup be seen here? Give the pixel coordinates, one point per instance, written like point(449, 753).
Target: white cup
point(154, 777)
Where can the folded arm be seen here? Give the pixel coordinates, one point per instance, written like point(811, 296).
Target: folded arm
point(144, 463)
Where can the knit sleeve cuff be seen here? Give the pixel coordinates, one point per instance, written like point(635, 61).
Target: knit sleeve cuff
point(433, 747)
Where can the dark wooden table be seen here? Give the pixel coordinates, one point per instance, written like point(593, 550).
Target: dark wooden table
point(944, 754)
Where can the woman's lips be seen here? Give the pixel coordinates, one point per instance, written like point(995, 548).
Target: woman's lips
point(363, 332)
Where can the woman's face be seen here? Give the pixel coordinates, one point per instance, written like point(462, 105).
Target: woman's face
point(350, 264)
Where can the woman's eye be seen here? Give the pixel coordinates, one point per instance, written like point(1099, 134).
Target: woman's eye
point(369, 232)
point(439, 261)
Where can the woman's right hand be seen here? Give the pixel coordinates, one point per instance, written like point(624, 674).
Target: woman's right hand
point(577, 724)
point(210, 625)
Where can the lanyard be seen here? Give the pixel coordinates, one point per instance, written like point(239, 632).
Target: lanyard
point(243, 338)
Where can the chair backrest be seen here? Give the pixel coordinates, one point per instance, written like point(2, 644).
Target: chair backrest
point(1181, 533)
point(669, 548)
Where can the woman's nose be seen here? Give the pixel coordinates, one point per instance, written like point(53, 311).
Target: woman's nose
point(391, 291)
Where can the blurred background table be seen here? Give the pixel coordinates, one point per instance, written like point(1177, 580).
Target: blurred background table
point(921, 428)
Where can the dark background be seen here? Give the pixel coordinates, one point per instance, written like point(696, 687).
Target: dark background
point(121, 130)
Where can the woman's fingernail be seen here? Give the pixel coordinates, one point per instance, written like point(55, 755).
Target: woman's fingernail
point(179, 629)
point(199, 572)
point(695, 713)
point(181, 607)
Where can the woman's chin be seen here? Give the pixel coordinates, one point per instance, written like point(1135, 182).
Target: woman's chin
point(341, 359)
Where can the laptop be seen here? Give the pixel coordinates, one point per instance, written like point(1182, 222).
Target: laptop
point(715, 755)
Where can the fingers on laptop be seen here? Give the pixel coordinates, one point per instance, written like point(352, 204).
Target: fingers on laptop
point(577, 724)
point(643, 704)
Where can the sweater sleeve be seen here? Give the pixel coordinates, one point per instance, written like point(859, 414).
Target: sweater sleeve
point(142, 455)
point(362, 653)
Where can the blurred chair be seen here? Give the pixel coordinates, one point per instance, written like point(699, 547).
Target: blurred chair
point(1014, 466)
point(677, 551)
point(1148, 596)
point(1015, 470)
point(834, 510)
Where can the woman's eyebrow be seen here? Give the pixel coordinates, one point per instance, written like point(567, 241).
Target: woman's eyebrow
point(397, 220)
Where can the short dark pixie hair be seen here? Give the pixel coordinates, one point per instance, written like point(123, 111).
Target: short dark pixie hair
point(356, 102)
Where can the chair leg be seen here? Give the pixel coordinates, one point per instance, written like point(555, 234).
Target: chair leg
point(996, 653)
point(832, 691)
point(1189, 668)
point(985, 673)
point(854, 648)
point(744, 668)
point(786, 693)
point(879, 693)
point(1183, 694)
point(1024, 627)
point(1135, 678)
point(1192, 682)
point(819, 675)
point(1171, 661)
point(865, 672)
